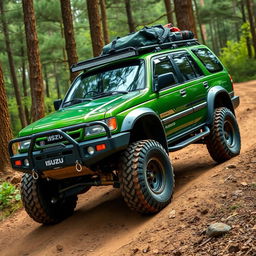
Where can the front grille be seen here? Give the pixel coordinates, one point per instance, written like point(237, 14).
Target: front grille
point(55, 138)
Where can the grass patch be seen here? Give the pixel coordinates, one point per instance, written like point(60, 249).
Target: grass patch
point(10, 199)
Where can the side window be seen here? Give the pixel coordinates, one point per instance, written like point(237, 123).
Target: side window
point(163, 66)
point(187, 66)
point(209, 60)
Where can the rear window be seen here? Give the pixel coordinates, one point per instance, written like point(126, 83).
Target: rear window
point(209, 60)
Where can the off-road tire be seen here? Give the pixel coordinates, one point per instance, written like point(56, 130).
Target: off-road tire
point(224, 140)
point(37, 197)
point(141, 191)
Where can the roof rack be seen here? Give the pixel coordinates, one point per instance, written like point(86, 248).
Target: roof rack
point(129, 52)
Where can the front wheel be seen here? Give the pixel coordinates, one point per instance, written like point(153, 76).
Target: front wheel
point(146, 176)
point(224, 140)
point(41, 201)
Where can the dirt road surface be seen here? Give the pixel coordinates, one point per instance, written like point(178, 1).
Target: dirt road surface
point(103, 225)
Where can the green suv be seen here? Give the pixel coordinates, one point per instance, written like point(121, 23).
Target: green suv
point(117, 123)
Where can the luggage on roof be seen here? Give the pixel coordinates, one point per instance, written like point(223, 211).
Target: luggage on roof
point(147, 36)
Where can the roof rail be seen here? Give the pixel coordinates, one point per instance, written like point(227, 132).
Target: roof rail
point(129, 52)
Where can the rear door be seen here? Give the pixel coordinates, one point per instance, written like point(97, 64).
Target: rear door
point(195, 87)
point(172, 101)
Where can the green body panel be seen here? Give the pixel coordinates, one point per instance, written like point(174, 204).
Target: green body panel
point(164, 103)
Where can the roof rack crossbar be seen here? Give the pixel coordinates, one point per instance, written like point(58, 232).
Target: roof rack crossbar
point(127, 53)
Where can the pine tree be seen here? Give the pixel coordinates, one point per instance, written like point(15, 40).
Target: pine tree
point(5, 127)
point(69, 35)
point(168, 8)
point(130, 19)
point(95, 26)
point(12, 68)
point(185, 16)
point(104, 20)
point(35, 70)
point(249, 5)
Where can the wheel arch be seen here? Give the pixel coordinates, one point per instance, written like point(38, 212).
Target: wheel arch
point(144, 123)
point(218, 97)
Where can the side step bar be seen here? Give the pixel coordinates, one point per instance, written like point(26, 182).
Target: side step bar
point(190, 140)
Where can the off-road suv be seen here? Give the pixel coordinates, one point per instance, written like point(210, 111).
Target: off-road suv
point(117, 123)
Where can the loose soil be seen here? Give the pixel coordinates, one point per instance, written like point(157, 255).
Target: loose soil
point(205, 193)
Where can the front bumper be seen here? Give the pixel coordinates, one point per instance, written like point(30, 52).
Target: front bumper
point(61, 155)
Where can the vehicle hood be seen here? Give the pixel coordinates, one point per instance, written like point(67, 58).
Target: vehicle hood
point(79, 113)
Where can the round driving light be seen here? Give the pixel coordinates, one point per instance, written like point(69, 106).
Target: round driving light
point(26, 162)
point(90, 150)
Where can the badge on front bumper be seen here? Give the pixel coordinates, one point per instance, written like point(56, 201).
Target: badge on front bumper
point(53, 162)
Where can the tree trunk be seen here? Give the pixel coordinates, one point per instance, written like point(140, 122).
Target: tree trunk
point(130, 19)
point(47, 89)
point(199, 23)
point(95, 26)
point(5, 127)
point(12, 68)
point(168, 8)
point(35, 69)
point(185, 16)
point(24, 81)
point(69, 35)
point(213, 39)
point(104, 21)
point(252, 25)
point(248, 44)
point(56, 75)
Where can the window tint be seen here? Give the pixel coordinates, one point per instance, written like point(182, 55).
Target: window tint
point(163, 66)
point(209, 60)
point(187, 67)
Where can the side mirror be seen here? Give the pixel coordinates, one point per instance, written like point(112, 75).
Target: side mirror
point(164, 80)
point(57, 104)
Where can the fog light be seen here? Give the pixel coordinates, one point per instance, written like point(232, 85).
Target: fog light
point(26, 162)
point(90, 150)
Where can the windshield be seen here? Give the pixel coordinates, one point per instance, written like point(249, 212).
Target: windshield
point(104, 82)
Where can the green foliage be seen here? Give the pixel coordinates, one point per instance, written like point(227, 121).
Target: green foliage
point(235, 58)
point(9, 195)
point(10, 199)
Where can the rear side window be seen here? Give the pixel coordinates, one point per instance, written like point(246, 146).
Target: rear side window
point(209, 60)
point(187, 66)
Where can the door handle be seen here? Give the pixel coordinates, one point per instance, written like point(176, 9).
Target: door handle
point(183, 93)
point(206, 85)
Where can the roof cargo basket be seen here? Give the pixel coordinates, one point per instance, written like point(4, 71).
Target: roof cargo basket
point(129, 52)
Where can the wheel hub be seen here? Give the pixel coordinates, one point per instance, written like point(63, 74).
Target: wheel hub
point(155, 176)
point(229, 133)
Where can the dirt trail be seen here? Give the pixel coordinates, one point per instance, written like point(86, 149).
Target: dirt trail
point(102, 223)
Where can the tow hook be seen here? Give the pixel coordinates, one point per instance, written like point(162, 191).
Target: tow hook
point(79, 167)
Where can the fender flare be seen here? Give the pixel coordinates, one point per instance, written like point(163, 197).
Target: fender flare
point(136, 114)
point(211, 97)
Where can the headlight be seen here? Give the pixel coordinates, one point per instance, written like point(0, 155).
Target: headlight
point(24, 144)
point(96, 129)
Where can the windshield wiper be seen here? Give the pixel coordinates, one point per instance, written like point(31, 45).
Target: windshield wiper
point(76, 101)
point(103, 94)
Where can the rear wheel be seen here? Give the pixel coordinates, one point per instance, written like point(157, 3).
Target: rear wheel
point(224, 140)
point(42, 203)
point(146, 176)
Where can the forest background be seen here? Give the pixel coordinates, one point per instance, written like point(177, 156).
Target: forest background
point(40, 39)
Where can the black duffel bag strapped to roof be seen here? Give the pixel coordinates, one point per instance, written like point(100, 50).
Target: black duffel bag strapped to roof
point(145, 37)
